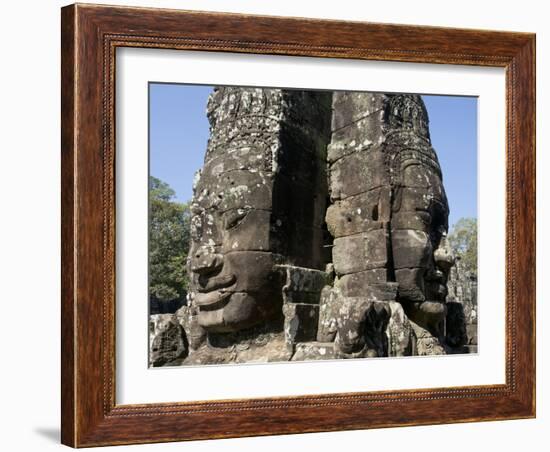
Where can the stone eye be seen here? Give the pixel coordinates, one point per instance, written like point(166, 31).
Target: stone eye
point(234, 217)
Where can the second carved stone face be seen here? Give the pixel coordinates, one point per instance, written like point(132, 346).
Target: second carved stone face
point(421, 255)
point(419, 224)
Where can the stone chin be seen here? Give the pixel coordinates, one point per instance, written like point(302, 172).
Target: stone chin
point(238, 311)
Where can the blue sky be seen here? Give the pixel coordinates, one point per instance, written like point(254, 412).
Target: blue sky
point(178, 135)
point(453, 130)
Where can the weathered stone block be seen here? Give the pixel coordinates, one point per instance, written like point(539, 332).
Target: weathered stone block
point(236, 189)
point(399, 332)
point(330, 304)
point(348, 255)
point(244, 189)
point(409, 200)
point(349, 107)
point(357, 173)
point(363, 136)
point(357, 285)
point(167, 341)
point(360, 252)
point(206, 224)
point(411, 248)
point(411, 283)
point(368, 277)
point(301, 321)
point(300, 279)
point(359, 213)
point(350, 336)
point(419, 221)
point(361, 328)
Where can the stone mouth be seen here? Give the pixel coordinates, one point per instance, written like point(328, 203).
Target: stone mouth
point(217, 282)
point(211, 300)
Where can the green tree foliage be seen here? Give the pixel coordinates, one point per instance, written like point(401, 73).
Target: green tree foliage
point(463, 240)
point(168, 243)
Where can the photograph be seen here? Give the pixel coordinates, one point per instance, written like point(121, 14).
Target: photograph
point(289, 224)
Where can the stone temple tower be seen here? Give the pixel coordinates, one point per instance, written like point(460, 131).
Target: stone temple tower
point(258, 213)
point(389, 221)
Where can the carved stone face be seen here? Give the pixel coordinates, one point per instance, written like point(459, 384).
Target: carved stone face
point(234, 280)
point(421, 254)
point(258, 202)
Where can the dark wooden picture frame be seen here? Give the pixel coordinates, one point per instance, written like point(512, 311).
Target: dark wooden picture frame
point(90, 35)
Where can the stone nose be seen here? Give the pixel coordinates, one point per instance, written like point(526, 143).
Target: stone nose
point(205, 261)
point(444, 256)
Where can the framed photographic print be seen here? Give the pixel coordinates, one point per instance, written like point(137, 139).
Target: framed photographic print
point(281, 225)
